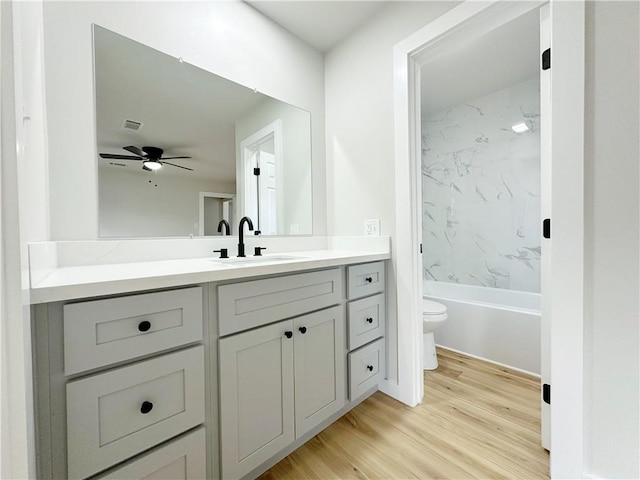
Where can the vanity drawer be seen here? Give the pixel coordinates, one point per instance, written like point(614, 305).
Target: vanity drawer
point(365, 368)
point(180, 459)
point(246, 305)
point(103, 332)
point(365, 279)
point(118, 414)
point(366, 320)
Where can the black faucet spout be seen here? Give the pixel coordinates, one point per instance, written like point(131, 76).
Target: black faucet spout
point(248, 221)
point(227, 227)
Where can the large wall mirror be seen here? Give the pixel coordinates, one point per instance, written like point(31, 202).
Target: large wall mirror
point(181, 148)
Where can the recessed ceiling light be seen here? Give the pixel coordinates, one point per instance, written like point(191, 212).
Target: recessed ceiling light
point(520, 128)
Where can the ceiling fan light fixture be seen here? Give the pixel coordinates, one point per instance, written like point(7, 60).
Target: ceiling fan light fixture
point(151, 165)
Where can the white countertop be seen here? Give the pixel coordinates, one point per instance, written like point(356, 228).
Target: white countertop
point(66, 283)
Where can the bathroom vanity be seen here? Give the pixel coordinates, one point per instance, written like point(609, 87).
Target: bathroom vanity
point(215, 369)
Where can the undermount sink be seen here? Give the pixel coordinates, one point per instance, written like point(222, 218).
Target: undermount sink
point(260, 259)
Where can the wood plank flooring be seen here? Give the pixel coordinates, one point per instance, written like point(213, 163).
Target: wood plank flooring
point(477, 420)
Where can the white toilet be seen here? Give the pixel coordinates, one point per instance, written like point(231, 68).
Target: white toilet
point(433, 315)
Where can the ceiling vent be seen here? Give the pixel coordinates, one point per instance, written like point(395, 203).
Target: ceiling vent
point(132, 125)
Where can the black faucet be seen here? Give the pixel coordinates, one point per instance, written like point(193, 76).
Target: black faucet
point(243, 220)
point(227, 227)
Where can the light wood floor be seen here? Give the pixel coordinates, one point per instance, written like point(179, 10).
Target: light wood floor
point(477, 420)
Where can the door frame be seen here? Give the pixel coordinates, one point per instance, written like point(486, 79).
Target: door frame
point(469, 20)
point(201, 197)
point(244, 173)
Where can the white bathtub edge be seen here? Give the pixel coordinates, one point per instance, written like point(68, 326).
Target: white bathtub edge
point(526, 311)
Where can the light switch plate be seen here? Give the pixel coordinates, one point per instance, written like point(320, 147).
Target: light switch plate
point(372, 227)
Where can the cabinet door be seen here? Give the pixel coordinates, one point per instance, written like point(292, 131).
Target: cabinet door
point(319, 366)
point(256, 397)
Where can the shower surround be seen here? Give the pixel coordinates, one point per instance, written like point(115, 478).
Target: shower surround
point(481, 191)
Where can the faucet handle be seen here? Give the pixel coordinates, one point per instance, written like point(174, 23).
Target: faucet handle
point(257, 251)
point(224, 253)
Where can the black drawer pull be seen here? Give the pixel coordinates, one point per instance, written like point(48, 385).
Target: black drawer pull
point(369, 320)
point(370, 368)
point(288, 334)
point(303, 330)
point(368, 279)
point(146, 407)
point(144, 326)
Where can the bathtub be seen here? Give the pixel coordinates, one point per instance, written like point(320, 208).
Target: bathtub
point(501, 326)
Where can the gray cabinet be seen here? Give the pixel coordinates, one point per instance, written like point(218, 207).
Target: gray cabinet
point(256, 397)
point(117, 377)
point(184, 458)
point(276, 383)
point(117, 414)
point(366, 325)
point(319, 367)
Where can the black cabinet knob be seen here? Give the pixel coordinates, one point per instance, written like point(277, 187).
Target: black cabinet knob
point(369, 320)
point(288, 334)
point(368, 279)
point(303, 330)
point(144, 326)
point(370, 368)
point(146, 407)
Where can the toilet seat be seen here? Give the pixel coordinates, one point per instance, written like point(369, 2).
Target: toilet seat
point(432, 308)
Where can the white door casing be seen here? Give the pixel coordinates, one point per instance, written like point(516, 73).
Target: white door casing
point(465, 22)
point(545, 212)
point(246, 186)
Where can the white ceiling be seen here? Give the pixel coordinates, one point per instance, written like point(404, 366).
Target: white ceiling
point(508, 55)
point(322, 24)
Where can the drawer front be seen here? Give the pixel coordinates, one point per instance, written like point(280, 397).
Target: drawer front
point(103, 332)
point(366, 368)
point(180, 459)
point(365, 279)
point(366, 320)
point(242, 306)
point(118, 414)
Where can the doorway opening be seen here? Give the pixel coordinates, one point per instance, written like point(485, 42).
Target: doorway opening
point(460, 26)
point(481, 195)
point(212, 208)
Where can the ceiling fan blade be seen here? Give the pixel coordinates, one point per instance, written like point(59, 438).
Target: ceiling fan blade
point(172, 158)
point(135, 150)
point(174, 165)
point(119, 157)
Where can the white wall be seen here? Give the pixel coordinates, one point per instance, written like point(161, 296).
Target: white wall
point(228, 38)
point(360, 171)
point(612, 239)
point(19, 156)
point(359, 115)
point(360, 129)
point(145, 204)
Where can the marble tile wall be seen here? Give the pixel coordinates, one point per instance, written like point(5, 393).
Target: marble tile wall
point(481, 191)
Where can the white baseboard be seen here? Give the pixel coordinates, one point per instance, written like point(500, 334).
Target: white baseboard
point(591, 476)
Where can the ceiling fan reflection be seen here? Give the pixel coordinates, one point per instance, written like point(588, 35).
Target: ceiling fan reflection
point(151, 157)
